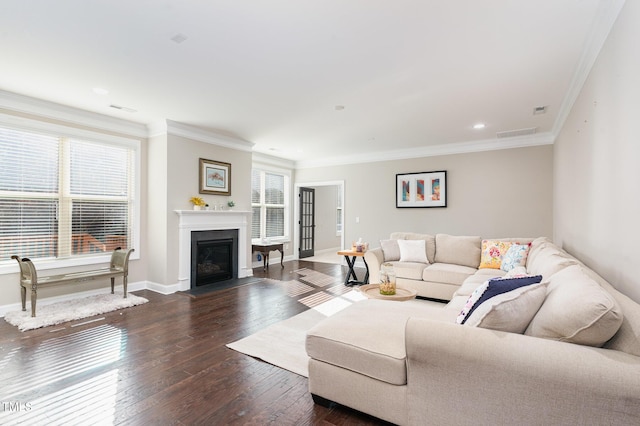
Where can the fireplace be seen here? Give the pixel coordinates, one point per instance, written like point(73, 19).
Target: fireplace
point(214, 256)
point(194, 221)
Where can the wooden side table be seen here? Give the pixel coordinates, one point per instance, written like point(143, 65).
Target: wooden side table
point(350, 256)
point(265, 249)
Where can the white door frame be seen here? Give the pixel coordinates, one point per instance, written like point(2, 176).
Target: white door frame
point(296, 211)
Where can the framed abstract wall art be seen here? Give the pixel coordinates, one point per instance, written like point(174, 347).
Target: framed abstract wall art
point(215, 177)
point(424, 189)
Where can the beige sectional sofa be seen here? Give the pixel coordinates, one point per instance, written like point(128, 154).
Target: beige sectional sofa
point(449, 260)
point(571, 355)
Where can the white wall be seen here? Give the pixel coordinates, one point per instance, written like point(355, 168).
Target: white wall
point(181, 176)
point(597, 162)
point(491, 194)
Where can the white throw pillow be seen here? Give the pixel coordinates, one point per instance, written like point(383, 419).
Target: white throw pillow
point(413, 251)
point(511, 311)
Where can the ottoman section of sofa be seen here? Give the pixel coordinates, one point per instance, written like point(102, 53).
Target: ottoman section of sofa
point(368, 337)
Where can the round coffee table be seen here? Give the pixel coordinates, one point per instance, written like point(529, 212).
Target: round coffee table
point(372, 291)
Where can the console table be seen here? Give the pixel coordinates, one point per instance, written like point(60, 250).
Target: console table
point(350, 256)
point(265, 249)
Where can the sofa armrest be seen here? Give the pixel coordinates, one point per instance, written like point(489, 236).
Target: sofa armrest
point(468, 375)
point(374, 259)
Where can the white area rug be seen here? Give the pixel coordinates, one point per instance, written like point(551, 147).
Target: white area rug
point(282, 344)
point(70, 310)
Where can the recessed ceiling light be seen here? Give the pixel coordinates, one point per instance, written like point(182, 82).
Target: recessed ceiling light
point(339, 107)
point(178, 38)
point(479, 126)
point(100, 91)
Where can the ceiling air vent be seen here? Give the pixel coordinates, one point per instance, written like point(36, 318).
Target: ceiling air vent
point(514, 133)
point(539, 110)
point(122, 108)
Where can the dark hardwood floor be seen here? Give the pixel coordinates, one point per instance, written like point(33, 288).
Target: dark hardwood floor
point(164, 363)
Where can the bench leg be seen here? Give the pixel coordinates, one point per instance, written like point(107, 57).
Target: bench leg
point(23, 296)
point(34, 297)
point(124, 284)
point(113, 283)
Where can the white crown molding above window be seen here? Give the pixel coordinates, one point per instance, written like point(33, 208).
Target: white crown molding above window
point(16, 103)
point(433, 150)
point(197, 134)
point(268, 160)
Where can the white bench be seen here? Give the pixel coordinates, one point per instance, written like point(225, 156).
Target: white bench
point(119, 266)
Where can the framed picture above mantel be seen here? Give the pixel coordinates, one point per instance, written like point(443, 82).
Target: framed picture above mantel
point(215, 177)
point(423, 189)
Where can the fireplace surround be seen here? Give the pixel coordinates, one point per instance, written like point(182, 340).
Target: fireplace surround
point(190, 221)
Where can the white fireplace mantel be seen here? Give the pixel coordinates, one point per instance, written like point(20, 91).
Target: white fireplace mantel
point(206, 220)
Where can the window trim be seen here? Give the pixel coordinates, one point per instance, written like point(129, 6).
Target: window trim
point(66, 131)
point(287, 201)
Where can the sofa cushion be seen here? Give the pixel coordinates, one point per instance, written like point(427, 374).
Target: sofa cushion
point(409, 270)
point(492, 253)
point(372, 345)
point(446, 273)
point(413, 251)
point(518, 271)
point(515, 257)
point(458, 250)
point(577, 310)
point(472, 282)
point(430, 241)
point(550, 260)
point(390, 250)
point(511, 311)
point(536, 246)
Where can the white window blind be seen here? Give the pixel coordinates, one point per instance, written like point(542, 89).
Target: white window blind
point(62, 197)
point(28, 194)
point(269, 204)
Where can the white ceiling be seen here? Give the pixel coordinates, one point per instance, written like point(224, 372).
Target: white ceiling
point(410, 74)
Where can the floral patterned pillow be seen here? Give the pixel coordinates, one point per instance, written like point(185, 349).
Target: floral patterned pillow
point(514, 257)
point(492, 253)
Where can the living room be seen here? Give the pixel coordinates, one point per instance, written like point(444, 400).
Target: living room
point(572, 183)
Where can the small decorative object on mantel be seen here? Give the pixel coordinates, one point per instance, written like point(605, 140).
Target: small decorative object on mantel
point(198, 203)
point(425, 189)
point(231, 204)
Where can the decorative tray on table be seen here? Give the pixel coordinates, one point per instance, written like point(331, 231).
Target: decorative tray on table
point(372, 291)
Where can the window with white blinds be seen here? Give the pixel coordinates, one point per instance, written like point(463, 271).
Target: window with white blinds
point(63, 197)
point(269, 202)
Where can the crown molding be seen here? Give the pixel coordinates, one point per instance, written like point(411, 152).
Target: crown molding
point(432, 151)
point(269, 160)
point(13, 102)
point(606, 17)
point(174, 128)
